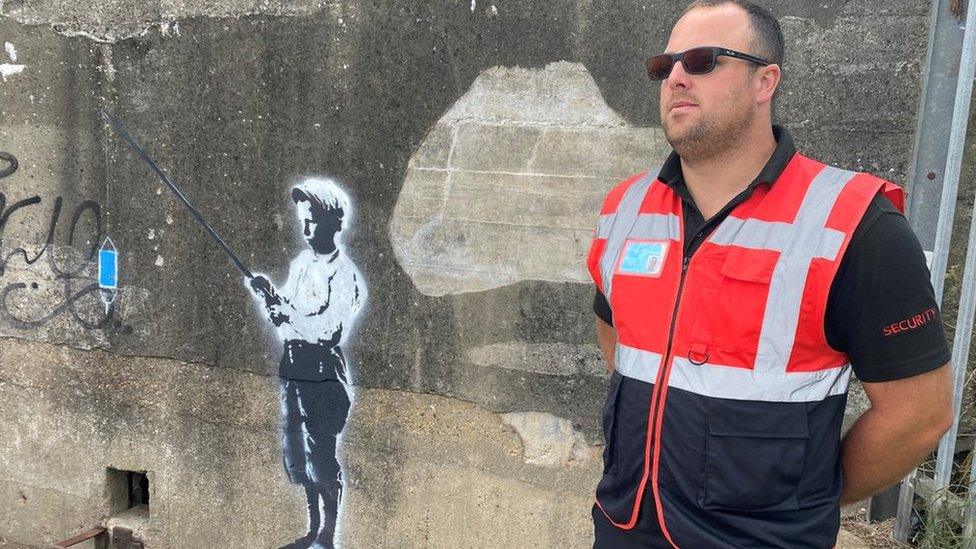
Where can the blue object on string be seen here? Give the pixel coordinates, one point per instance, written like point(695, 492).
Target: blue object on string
point(108, 266)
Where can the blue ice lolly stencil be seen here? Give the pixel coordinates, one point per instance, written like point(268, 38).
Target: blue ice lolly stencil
point(108, 266)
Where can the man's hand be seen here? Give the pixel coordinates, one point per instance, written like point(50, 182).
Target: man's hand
point(905, 422)
point(606, 336)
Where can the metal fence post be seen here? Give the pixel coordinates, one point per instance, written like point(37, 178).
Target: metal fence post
point(940, 32)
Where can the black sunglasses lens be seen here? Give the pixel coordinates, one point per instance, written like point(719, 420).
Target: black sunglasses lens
point(659, 67)
point(698, 60)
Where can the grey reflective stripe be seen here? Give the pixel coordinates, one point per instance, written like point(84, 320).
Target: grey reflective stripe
point(649, 226)
point(636, 363)
point(811, 239)
point(623, 221)
point(603, 225)
point(656, 227)
point(752, 233)
point(799, 243)
point(715, 380)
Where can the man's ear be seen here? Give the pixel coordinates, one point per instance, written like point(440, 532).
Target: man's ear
point(767, 81)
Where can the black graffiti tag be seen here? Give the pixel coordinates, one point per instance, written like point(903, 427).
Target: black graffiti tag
point(69, 276)
point(12, 164)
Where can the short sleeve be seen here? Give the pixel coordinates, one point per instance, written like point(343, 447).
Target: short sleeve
point(881, 310)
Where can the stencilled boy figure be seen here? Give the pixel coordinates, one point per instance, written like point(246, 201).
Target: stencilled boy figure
point(317, 304)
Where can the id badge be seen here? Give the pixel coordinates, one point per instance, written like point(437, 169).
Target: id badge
point(643, 258)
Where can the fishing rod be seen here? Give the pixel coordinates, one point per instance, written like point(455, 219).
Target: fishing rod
point(117, 124)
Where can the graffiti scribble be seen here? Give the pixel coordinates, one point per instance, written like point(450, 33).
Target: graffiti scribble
point(69, 275)
point(12, 164)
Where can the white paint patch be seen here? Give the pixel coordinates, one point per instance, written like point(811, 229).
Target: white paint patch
point(548, 440)
point(6, 69)
point(507, 185)
point(473, 5)
point(152, 234)
point(159, 261)
point(10, 69)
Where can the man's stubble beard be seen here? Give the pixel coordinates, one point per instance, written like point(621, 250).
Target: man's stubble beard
point(710, 138)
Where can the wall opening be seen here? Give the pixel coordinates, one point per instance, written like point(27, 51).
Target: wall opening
point(126, 490)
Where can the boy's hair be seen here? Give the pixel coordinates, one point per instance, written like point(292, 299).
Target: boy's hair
point(323, 194)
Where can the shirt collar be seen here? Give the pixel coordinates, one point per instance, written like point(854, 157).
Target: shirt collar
point(671, 175)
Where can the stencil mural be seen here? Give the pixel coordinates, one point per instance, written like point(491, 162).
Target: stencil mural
point(313, 311)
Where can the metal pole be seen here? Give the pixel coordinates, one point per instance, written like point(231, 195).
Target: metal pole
point(939, 81)
point(957, 141)
point(960, 357)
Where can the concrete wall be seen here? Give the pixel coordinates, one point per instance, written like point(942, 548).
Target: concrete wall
point(474, 140)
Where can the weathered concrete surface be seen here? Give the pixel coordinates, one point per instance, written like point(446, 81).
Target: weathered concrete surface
point(433, 471)
point(68, 415)
point(113, 20)
point(360, 114)
point(522, 159)
point(237, 108)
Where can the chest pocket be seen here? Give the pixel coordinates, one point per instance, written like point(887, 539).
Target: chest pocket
point(742, 295)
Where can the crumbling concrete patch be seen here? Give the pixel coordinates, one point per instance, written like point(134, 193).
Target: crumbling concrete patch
point(549, 440)
point(507, 185)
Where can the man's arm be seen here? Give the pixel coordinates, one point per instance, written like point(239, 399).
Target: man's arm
point(905, 422)
point(606, 336)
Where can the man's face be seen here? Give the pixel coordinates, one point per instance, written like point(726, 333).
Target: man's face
point(319, 226)
point(704, 114)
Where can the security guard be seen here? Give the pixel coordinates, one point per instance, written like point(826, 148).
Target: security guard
point(738, 287)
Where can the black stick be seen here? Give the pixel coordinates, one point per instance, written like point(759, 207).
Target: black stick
point(176, 190)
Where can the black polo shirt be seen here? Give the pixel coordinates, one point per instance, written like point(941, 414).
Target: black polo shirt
point(881, 310)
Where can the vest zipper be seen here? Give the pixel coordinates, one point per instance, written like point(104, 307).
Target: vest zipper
point(658, 404)
point(665, 364)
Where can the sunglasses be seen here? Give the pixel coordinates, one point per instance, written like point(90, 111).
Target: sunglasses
point(695, 61)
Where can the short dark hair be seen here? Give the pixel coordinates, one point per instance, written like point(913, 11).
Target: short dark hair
point(767, 35)
point(318, 206)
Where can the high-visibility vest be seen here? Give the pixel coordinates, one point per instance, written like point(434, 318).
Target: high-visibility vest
point(741, 434)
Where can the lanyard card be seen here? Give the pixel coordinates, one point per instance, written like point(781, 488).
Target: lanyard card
point(643, 258)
